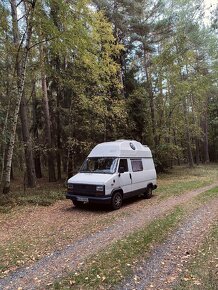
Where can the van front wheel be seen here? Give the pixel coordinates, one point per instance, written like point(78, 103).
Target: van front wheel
point(148, 192)
point(117, 200)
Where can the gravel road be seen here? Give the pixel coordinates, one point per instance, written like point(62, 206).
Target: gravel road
point(59, 263)
point(161, 270)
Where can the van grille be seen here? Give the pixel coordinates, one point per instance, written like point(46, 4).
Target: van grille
point(85, 189)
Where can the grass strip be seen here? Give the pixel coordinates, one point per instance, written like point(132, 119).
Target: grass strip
point(201, 272)
point(43, 198)
point(207, 195)
point(110, 266)
point(182, 179)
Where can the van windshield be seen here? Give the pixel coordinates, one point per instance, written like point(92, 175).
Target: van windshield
point(105, 165)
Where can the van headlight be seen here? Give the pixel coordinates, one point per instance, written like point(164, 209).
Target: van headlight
point(99, 188)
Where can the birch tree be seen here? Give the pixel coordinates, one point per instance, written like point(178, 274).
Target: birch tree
point(22, 45)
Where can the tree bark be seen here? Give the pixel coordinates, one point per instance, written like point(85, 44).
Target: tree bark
point(3, 146)
point(55, 8)
point(58, 154)
point(197, 151)
point(205, 130)
point(188, 137)
point(151, 99)
point(51, 164)
point(37, 159)
point(30, 169)
point(20, 73)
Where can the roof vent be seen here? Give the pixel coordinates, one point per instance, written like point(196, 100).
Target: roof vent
point(132, 146)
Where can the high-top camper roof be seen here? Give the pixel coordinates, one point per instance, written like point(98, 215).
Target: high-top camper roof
point(121, 148)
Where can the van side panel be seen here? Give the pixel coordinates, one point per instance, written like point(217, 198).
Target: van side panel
point(140, 179)
point(149, 171)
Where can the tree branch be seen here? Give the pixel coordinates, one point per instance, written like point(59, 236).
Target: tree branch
point(19, 3)
point(42, 41)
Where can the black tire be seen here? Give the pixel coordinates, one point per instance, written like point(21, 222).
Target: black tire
point(77, 203)
point(148, 192)
point(117, 200)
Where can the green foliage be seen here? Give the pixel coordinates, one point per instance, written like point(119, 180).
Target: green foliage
point(138, 117)
point(166, 153)
point(114, 69)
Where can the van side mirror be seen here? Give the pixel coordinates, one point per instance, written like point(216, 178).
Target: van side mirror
point(121, 170)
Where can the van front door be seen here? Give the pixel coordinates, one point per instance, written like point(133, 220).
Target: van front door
point(125, 178)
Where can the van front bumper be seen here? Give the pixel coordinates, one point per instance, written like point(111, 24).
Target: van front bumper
point(92, 199)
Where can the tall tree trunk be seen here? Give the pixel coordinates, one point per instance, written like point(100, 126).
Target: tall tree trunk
point(51, 163)
point(188, 137)
point(20, 73)
point(3, 146)
point(151, 98)
point(205, 130)
point(58, 154)
point(197, 151)
point(70, 164)
point(37, 159)
point(30, 168)
point(58, 89)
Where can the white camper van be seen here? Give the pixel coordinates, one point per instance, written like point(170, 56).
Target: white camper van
point(112, 172)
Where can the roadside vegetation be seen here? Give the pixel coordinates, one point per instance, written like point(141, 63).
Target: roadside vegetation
point(110, 267)
point(174, 181)
point(202, 271)
point(181, 179)
point(208, 194)
point(44, 194)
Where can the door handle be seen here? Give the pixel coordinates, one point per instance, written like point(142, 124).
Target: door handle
point(130, 175)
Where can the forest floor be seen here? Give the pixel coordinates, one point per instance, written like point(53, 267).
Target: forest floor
point(146, 244)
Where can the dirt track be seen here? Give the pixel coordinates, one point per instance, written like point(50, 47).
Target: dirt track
point(60, 262)
point(162, 269)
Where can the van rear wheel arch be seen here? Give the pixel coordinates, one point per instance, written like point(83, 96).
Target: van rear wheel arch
point(149, 191)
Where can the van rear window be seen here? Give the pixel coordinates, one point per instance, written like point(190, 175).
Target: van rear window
point(136, 165)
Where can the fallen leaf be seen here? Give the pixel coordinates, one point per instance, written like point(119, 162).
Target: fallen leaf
point(197, 282)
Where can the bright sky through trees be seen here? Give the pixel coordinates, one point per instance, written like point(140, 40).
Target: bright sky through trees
point(210, 6)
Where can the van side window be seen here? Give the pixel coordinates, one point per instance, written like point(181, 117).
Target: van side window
point(124, 164)
point(136, 165)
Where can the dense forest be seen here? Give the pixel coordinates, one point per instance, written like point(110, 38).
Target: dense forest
point(74, 73)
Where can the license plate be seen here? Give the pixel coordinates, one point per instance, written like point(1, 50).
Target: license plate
point(83, 199)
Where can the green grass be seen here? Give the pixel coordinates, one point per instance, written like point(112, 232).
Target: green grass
point(205, 196)
point(43, 198)
point(176, 181)
point(182, 179)
point(201, 272)
point(109, 267)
